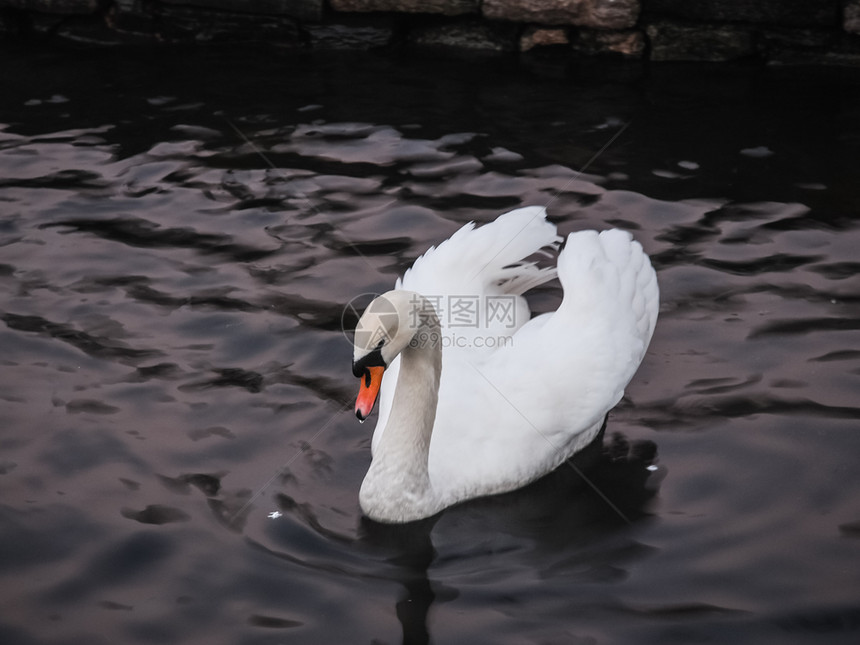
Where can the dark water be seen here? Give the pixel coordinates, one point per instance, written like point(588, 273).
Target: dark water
point(180, 234)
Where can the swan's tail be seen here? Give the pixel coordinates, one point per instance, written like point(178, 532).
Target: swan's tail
point(487, 259)
point(609, 274)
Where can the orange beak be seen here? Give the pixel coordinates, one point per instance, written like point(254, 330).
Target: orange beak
point(368, 391)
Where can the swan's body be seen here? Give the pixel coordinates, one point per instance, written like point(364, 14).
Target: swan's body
point(515, 396)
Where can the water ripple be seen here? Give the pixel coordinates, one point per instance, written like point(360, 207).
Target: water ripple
point(134, 231)
point(179, 244)
point(93, 345)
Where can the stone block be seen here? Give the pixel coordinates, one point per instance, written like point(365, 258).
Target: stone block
point(301, 9)
point(805, 48)
point(629, 42)
point(445, 7)
point(63, 7)
point(676, 42)
point(792, 38)
point(182, 23)
point(599, 14)
point(542, 37)
point(467, 36)
point(798, 13)
point(359, 34)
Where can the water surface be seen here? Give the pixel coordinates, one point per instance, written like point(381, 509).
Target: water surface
point(181, 232)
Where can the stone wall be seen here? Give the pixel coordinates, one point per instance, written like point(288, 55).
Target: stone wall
point(662, 30)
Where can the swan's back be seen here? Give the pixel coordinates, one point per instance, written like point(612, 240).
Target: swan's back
point(506, 418)
point(508, 415)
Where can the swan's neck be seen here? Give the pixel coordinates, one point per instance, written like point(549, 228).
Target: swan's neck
point(397, 487)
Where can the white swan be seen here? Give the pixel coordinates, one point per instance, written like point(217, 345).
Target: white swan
point(477, 398)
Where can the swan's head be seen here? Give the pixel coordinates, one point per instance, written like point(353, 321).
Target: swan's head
point(384, 330)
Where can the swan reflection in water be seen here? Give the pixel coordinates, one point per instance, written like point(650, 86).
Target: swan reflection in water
point(560, 525)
